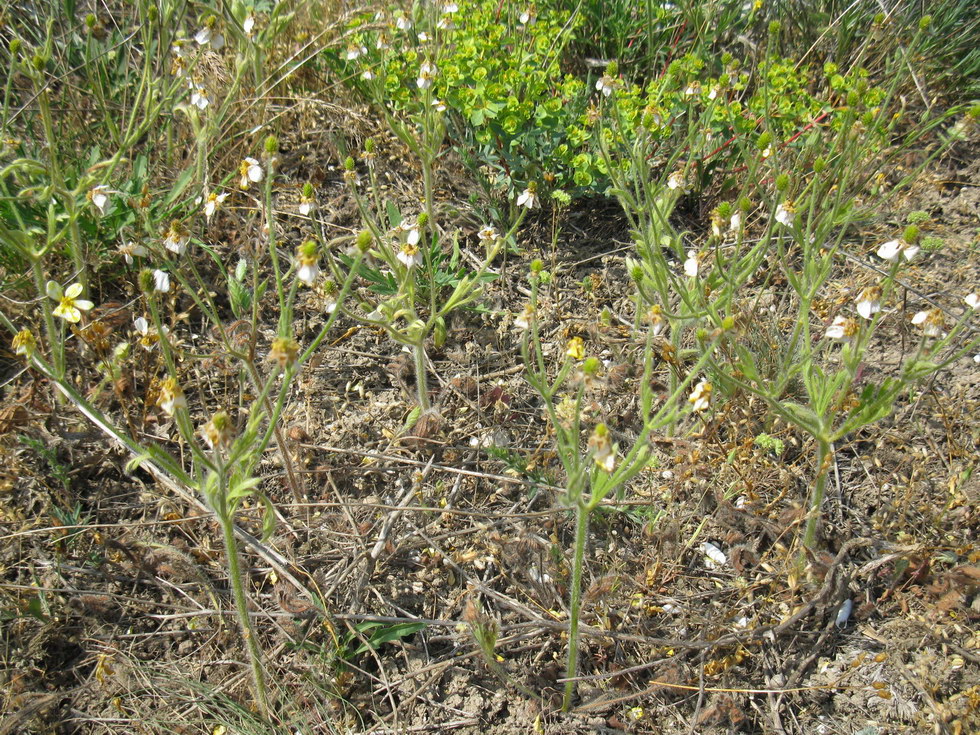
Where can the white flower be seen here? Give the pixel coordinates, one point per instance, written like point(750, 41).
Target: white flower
point(786, 213)
point(523, 320)
point(161, 281)
point(869, 301)
point(130, 249)
point(713, 93)
point(842, 328)
point(410, 255)
point(607, 85)
point(736, 222)
point(691, 264)
point(439, 105)
point(403, 23)
point(213, 203)
point(171, 397)
point(414, 234)
point(488, 234)
point(305, 205)
point(528, 198)
point(445, 23)
point(199, 98)
point(70, 307)
point(676, 180)
point(893, 249)
point(307, 272)
point(700, 397)
point(973, 300)
point(767, 151)
point(248, 25)
point(354, 52)
point(528, 17)
point(250, 171)
point(427, 72)
point(367, 75)
point(976, 358)
point(176, 237)
point(99, 196)
point(148, 336)
point(931, 322)
point(692, 89)
point(423, 37)
point(205, 37)
point(450, 8)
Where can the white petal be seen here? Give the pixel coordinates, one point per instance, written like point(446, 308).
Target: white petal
point(920, 317)
point(973, 300)
point(889, 250)
point(142, 326)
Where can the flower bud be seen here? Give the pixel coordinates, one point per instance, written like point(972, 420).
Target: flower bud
point(364, 240)
point(349, 163)
point(146, 281)
point(782, 182)
point(765, 140)
point(725, 210)
point(271, 145)
point(423, 219)
point(774, 28)
point(728, 323)
point(819, 165)
point(308, 249)
point(924, 22)
point(308, 190)
point(537, 266)
point(911, 235)
point(853, 98)
point(592, 366)
point(15, 46)
point(369, 146)
point(91, 21)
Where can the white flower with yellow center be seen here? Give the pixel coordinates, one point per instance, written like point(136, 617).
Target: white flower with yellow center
point(213, 203)
point(869, 301)
point(70, 307)
point(148, 336)
point(427, 73)
point(676, 181)
point(199, 97)
point(402, 23)
point(607, 85)
point(786, 213)
point(488, 234)
point(972, 300)
point(354, 51)
point(931, 322)
point(523, 320)
point(306, 205)
point(528, 198)
point(410, 255)
point(250, 171)
point(895, 249)
point(700, 397)
point(171, 398)
point(842, 329)
point(130, 250)
point(176, 237)
point(248, 25)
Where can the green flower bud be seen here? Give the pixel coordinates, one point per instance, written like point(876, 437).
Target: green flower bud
point(423, 219)
point(364, 240)
point(774, 28)
point(146, 281)
point(924, 22)
point(537, 266)
point(91, 21)
point(591, 366)
point(308, 190)
point(868, 119)
point(745, 204)
point(39, 62)
point(702, 335)
point(764, 141)
point(15, 46)
point(853, 98)
point(152, 13)
point(369, 145)
point(726, 59)
point(911, 235)
point(782, 182)
point(819, 165)
point(861, 86)
point(879, 19)
point(974, 112)
point(725, 210)
point(728, 323)
point(308, 249)
point(830, 68)
point(271, 144)
point(612, 69)
point(349, 163)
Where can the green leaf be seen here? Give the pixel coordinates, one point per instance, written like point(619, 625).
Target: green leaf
point(182, 182)
point(388, 634)
point(268, 517)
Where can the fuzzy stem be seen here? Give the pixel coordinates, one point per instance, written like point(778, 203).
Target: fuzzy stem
point(824, 451)
point(421, 380)
point(241, 607)
point(575, 602)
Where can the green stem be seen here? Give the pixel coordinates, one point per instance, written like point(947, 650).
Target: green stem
point(421, 379)
point(241, 606)
point(575, 602)
point(824, 458)
point(54, 338)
